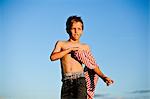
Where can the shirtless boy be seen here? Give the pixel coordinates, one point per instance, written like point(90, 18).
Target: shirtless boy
point(74, 84)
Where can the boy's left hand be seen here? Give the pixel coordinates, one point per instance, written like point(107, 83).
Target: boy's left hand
point(108, 81)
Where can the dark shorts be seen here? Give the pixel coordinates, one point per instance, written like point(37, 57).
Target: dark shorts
point(74, 89)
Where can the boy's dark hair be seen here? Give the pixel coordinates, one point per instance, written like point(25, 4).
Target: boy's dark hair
point(70, 21)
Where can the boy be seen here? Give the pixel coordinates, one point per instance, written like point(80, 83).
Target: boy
point(73, 78)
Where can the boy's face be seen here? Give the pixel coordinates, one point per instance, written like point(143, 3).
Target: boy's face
point(76, 30)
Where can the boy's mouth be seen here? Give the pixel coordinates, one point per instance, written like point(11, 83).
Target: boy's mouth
point(76, 35)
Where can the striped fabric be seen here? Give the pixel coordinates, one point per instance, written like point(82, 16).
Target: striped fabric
point(91, 77)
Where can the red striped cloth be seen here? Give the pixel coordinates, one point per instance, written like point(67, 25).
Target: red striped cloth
point(91, 77)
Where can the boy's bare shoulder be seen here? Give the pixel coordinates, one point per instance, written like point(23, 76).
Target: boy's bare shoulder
point(61, 42)
point(85, 46)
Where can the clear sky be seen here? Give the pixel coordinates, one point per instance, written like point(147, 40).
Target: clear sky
point(116, 30)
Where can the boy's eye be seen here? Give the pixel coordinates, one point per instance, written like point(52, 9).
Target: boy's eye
point(76, 28)
point(79, 28)
point(72, 28)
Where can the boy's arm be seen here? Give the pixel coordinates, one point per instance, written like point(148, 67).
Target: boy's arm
point(96, 69)
point(106, 79)
point(99, 72)
point(58, 53)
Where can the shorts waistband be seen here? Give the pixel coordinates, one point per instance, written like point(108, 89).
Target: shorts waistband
point(73, 75)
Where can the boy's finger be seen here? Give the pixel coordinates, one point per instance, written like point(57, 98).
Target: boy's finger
point(112, 81)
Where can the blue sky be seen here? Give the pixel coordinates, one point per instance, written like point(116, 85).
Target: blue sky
point(116, 30)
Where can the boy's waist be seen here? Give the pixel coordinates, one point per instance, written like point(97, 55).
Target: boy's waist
point(74, 75)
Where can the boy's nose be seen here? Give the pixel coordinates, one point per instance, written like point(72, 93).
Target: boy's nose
point(75, 30)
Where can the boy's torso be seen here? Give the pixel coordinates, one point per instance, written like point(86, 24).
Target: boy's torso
point(68, 63)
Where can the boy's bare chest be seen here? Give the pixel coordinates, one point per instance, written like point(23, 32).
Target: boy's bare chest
point(69, 59)
point(70, 45)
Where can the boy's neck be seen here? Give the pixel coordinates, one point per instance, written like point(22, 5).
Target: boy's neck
point(74, 41)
